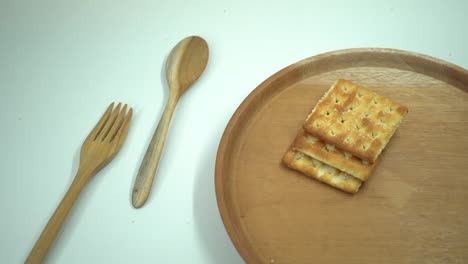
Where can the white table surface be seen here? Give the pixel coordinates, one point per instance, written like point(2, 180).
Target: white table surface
point(63, 62)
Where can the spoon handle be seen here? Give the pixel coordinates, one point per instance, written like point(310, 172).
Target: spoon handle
point(147, 171)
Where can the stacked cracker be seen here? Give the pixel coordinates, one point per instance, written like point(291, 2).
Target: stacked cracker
point(344, 135)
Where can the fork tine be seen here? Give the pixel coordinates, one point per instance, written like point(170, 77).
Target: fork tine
point(122, 132)
point(109, 123)
point(93, 134)
point(117, 124)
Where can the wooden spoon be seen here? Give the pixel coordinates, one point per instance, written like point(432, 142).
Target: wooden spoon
point(184, 65)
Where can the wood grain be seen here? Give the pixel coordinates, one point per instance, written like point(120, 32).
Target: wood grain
point(147, 171)
point(412, 210)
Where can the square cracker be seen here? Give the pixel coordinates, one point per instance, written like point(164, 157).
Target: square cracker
point(355, 120)
point(320, 171)
point(329, 154)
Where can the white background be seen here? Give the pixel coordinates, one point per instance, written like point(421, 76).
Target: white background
point(63, 62)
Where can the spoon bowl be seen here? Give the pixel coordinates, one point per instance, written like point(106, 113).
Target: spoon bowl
point(186, 63)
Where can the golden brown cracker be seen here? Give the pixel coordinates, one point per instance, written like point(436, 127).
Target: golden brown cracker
point(355, 120)
point(320, 171)
point(331, 155)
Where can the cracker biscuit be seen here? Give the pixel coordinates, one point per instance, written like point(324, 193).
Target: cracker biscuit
point(329, 154)
point(320, 171)
point(355, 120)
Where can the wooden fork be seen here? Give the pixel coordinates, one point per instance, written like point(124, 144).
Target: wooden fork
point(97, 150)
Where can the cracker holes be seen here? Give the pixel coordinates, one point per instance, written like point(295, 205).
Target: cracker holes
point(359, 95)
point(365, 114)
point(298, 156)
point(382, 122)
point(375, 101)
point(345, 88)
point(357, 127)
point(315, 163)
point(317, 124)
point(342, 120)
point(373, 134)
point(310, 139)
point(337, 100)
point(329, 148)
point(347, 155)
point(389, 109)
point(332, 132)
point(350, 108)
point(365, 146)
point(348, 140)
point(327, 112)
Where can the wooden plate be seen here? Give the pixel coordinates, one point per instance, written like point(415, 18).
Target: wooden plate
point(414, 209)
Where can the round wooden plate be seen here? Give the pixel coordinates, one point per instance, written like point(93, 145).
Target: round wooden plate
point(414, 208)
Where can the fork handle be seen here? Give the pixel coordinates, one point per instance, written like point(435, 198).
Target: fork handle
point(39, 251)
point(147, 171)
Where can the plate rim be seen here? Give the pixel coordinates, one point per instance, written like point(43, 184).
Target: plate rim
point(441, 68)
